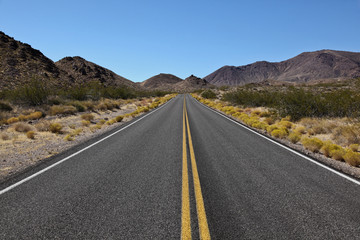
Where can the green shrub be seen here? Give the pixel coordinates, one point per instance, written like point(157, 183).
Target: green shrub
point(5, 107)
point(208, 94)
point(34, 93)
point(312, 144)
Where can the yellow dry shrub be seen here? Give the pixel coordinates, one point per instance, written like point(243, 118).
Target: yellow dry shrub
point(76, 132)
point(271, 128)
point(119, 118)
point(352, 158)
point(300, 130)
point(62, 109)
point(4, 136)
point(12, 120)
point(22, 127)
point(30, 134)
point(55, 128)
point(265, 114)
point(312, 144)
point(111, 121)
point(34, 116)
point(101, 121)
point(87, 116)
point(280, 133)
point(260, 125)
point(338, 153)
point(294, 137)
point(354, 147)
point(269, 120)
point(256, 113)
point(328, 147)
point(85, 123)
point(285, 124)
point(69, 138)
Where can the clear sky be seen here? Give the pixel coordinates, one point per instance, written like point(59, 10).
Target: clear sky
point(138, 39)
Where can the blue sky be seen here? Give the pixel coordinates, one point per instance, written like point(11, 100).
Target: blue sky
point(138, 39)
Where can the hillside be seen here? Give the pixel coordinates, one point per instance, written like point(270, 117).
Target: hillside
point(19, 63)
point(304, 68)
point(81, 71)
point(161, 81)
point(191, 83)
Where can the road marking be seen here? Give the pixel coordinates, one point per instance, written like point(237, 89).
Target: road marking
point(287, 148)
point(74, 154)
point(202, 221)
point(185, 201)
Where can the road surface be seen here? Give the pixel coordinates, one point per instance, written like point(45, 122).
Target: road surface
point(181, 171)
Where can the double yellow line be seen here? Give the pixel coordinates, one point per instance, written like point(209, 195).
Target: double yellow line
point(185, 209)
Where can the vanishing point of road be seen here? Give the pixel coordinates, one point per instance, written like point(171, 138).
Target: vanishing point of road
point(181, 171)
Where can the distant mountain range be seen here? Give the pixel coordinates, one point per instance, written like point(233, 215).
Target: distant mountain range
point(304, 68)
point(19, 63)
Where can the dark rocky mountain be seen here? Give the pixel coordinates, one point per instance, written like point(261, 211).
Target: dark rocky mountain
point(161, 81)
point(81, 71)
point(304, 68)
point(191, 83)
point(20, 63)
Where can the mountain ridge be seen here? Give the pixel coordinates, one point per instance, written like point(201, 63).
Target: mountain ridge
point(303, 68)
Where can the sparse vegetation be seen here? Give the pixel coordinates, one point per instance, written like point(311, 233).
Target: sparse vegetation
point(208, 94)
point(55, 128)
point(30, 134)
point(22, 127)
point(352, 158)
point(88, 117)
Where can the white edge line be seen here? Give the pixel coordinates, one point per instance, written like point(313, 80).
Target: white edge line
point(283, 146)
point(74, 154)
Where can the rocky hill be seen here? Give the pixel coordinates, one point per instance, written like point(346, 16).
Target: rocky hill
point(304, 68)
point(20, 63)
point(161, 81)
point(191, 83)
point(81, 71)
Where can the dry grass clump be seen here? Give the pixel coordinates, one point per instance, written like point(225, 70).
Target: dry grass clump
point(280, 133)
point(42, 126)
point(300, 130)
point(22, 127)
point(101, 121)
point(328, 147)
point(30, 134)
point(4, 136)
point(352, 158)
point(119, 118)
point(69, 138)
point(85, 123)
point(87, 117)
point(62, 109)
point(55, 128)
point(354, 147)
point(313, 144)
point(34, 116)
point(269, 120)
point(294, 137)
point(285, 123)
point(13, 120)
point(346, 135)
point(110, 122)
point(338, 153)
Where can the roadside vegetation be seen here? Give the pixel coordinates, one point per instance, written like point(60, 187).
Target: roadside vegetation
point(322, 118)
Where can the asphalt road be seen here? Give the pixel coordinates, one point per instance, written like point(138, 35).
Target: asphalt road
point(131, 186)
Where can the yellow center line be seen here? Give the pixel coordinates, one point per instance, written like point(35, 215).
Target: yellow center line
point(202, 221)
point(185, 208)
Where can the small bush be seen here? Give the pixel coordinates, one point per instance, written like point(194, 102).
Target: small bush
point(42, 126)
point(354, 147)
point(12, 120)
point(5, 107)
point(294, 137)
point(338, 153)
point(55, 128)
point(62, 109)
point(352, 158)
point(4, 137)
point(208, 94)
point(102, 121)
point(328, 147)
point(280, 133)
point(271, 128)
point(69, 138)
point(265, 114)
point(111, 121)
point(34, 116)
point(285, 123)
point(22, 127)
point(79, 107)
point(312, 144)
point(300, 130)
point(269, 120)
point(119, 118)
point(76, 132)
point(87, 117)
point(30, 134)
point(85, 123)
